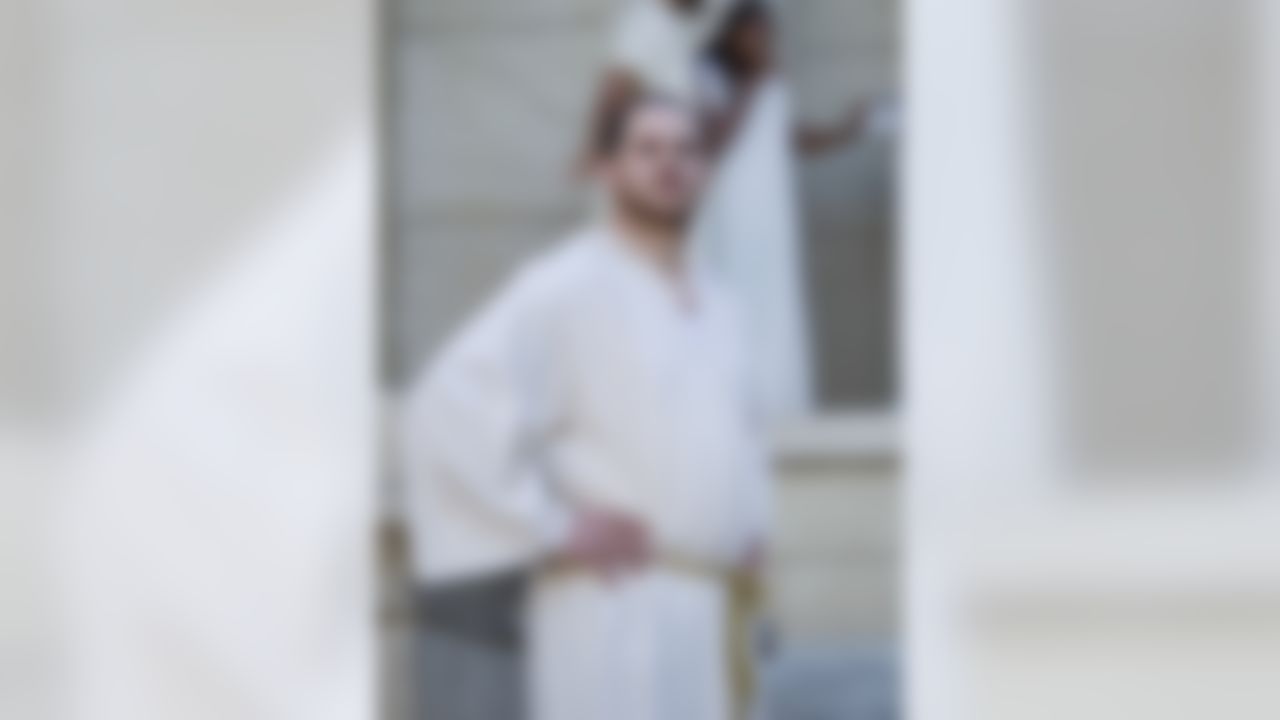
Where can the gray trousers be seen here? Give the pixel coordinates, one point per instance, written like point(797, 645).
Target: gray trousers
point(465, 671)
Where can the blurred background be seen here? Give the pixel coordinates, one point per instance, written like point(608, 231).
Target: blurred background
point(186, 356)
point(487, 103)
point(1059, 499)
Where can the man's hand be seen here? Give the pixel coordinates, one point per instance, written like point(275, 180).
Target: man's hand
point(818, 139)
point(855, 119)
point(606, 542)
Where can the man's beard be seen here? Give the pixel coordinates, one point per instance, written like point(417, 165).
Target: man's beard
point(674, 222)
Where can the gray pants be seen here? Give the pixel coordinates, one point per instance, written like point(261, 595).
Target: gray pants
point(460, 679)
point(465, 671)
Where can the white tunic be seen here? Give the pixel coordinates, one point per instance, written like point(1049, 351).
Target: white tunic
point(585, 381)
point(750, 231)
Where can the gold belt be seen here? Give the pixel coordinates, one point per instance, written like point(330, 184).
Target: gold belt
point(746, 597)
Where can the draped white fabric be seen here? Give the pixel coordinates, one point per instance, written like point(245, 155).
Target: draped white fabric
point(750, 231)
point(587, 382)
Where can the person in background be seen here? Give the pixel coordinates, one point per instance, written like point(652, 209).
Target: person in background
point(657, 48)
point(751, 230)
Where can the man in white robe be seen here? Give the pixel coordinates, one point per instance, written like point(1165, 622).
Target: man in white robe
point(592, 427)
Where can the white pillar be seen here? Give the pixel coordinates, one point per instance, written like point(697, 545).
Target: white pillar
point(1045, 580)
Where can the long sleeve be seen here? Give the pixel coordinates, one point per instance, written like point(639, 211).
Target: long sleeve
point(476, 437)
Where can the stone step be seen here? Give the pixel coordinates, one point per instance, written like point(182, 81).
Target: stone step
point(834, 569)
point(833, 681)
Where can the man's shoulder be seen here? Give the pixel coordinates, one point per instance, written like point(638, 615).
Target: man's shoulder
point(558, 271)
point(534, 295)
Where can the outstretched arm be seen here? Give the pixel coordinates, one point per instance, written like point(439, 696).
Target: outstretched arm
point(813, 139)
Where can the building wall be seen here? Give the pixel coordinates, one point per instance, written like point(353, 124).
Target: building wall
point(486, 101)
point(837, 51)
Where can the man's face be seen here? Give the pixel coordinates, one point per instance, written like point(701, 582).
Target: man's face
point(657, 172)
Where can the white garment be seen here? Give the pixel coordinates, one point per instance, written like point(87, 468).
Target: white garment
point(585, 381)
point(750, 232)
point(663, 46)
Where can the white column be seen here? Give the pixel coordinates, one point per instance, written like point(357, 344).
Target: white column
point(208, 232)
point(1049, 576)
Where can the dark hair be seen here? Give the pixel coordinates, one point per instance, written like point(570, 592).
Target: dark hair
point(616, 118)
point(722, 50)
